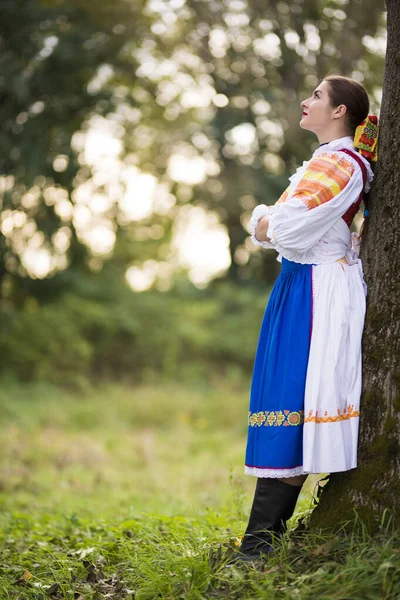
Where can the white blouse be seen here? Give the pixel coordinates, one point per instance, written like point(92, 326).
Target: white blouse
point(317, 235)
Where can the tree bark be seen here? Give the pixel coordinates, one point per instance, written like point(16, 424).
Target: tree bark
point(375, 484)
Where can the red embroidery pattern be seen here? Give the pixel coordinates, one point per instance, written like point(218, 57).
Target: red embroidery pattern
point(366, 137)
point(348, 413)
point(276, 417)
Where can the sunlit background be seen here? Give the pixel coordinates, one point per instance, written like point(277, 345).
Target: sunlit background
point(169, 120)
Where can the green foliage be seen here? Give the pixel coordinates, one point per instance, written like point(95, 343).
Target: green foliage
point(99, 500)
point(133, 336)
point(45, 346)
point(86, 449)
point(149, 73)
point(50, 58)
point(162, 557)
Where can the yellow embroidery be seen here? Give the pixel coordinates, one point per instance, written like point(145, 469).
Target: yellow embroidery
point(326, 176)
point(287, 417)
point(348, 413)
point(276, 417)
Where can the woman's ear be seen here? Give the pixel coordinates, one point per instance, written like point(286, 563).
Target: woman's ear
point(340, 111)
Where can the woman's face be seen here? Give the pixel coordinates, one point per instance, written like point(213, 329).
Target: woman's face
point(318, 114)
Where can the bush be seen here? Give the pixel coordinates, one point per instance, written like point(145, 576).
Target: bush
point(134, 336)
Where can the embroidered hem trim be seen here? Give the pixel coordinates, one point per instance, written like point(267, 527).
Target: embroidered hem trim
point(276, 417)
point(257, 472)
point(348, 413)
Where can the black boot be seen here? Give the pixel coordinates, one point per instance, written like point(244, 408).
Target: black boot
point(273, 504)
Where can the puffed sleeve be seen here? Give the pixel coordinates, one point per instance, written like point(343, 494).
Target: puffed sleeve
point(331, 183)
point(260, 211)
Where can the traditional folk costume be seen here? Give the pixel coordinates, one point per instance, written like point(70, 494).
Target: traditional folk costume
point(306, 386)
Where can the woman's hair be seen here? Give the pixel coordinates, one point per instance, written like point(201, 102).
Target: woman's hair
point(343, 90)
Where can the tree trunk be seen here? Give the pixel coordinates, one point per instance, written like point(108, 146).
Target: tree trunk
point(375, 484)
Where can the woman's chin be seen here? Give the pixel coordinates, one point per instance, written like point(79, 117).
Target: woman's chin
point(304, 125)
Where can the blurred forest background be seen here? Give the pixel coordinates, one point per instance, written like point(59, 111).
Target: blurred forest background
point(137, 136)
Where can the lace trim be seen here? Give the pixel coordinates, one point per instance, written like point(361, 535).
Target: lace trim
point(299, 171)
point(313, 256)
point(260, 211)
point(257, 472)
point(304, 258)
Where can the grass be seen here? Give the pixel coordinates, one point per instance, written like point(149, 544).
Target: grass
point(140, 493)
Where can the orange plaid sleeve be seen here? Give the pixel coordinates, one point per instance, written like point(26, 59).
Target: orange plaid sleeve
point(325, 177)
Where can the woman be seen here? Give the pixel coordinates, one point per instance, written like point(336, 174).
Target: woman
point(306, 386)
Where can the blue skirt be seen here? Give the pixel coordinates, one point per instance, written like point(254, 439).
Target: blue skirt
point(276, 415)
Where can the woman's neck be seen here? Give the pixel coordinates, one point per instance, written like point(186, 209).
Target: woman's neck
point(327, 138)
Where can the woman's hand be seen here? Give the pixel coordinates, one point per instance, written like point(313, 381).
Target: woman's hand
point(261, 229)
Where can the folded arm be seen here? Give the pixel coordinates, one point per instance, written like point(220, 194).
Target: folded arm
point(330, 184)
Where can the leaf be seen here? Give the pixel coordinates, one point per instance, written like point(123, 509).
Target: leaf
point(27, 575)
point(323, 549)
point(273, 569)
point(25, 578)
point(84, 552)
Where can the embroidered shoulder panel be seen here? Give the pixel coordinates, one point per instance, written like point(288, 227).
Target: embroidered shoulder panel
point(326, 176)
